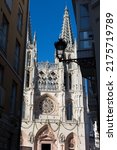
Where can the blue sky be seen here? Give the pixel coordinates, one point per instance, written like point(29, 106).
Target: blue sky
point(46, 20)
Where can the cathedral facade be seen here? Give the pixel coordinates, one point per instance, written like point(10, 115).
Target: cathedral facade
point(53, 116)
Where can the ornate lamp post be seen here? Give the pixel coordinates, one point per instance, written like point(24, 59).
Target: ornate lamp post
point(60, 46)
point(60, 49)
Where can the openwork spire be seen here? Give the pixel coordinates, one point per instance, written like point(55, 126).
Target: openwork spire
point(66, 33)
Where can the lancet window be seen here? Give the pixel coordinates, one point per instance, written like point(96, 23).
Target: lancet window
point(28, 58)
point(27, 78)
point(69, 110)
point(70, 81)
point(70, 63)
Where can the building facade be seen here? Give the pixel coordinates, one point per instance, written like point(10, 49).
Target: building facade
point(54, 105)
point(13, 24)
point(87, 15)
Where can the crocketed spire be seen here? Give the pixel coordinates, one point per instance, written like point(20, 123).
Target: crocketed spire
point(66, 33)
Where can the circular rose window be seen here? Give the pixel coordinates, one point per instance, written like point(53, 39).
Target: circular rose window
point(46, 106)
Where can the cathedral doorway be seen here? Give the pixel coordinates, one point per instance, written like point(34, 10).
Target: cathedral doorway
point(45, 139)
point(46, 147)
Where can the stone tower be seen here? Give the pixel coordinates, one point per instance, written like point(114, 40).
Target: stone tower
point(53, 108)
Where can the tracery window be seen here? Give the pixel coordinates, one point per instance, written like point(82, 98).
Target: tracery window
point(52, 81)
point(42, 80)
point(48, 81)
point(46, 106)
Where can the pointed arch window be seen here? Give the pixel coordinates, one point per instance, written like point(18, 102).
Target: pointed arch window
point(70, 81)
point(69, 110)
point(70, 63)
point(23, 110)
point(27, 78)
point(65, 80)
point(52, 81)
point(28, 58)
point(42, 80)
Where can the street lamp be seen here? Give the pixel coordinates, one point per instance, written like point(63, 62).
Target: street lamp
point(60, 49)
point(60, 46)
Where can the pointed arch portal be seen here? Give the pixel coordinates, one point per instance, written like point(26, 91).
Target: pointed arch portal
point(45, 139)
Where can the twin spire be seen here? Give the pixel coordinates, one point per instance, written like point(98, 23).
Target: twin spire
point(66, 33)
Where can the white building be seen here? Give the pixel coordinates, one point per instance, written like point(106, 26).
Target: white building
point(53, 107)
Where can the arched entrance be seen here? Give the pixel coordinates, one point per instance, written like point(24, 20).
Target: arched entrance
point(70, 143)
point(45, 139)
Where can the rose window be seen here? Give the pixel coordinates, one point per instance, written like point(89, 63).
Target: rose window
point(46, 106)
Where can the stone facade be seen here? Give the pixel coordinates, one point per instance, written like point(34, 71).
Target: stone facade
point(53, 106)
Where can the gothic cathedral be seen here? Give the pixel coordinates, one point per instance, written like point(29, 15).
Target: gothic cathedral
point(53, 105)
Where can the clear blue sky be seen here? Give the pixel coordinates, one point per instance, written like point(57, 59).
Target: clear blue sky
point(47, 19)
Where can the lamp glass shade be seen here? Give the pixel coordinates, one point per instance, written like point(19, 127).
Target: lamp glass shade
point(60, 47)
point(59, 53)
